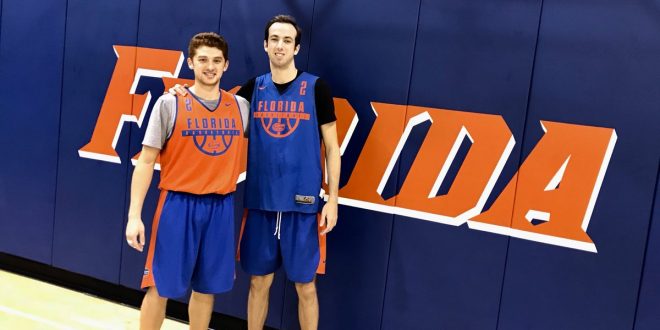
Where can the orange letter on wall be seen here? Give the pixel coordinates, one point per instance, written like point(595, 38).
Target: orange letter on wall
point(554, 192)
point(492, 143)
point(120, 103)
point(346, 122)
point(362, 188)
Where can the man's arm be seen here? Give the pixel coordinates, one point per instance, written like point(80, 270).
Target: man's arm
point(142, 175)
point(325, 106)
point(333, 161)
point(247, 89)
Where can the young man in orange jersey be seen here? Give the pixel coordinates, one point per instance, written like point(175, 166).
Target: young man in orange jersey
point(199, 139)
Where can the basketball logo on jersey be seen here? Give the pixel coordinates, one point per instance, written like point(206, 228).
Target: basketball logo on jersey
point(280, 118)
point(212, 136)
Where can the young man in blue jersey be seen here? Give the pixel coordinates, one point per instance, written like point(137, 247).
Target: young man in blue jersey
point(291, 113)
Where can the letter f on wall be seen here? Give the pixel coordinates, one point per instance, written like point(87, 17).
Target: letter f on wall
point(121, 104)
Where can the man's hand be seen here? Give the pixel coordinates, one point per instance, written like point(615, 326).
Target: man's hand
point(178, 90)
point(329, 216)
point(135, 233)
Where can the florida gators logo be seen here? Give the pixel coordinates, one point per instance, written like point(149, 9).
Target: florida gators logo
point(211, 136)
point(280, 118)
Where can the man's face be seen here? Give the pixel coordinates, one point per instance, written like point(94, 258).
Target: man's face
point(280, 45)
point(208, 64)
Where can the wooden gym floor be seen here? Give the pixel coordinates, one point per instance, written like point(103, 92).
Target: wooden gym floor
point(27, 304)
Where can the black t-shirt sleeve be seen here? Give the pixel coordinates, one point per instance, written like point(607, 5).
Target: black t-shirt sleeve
point(325, 106)
point(247, 89)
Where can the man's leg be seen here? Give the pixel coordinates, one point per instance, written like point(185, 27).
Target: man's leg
point(258, 301)
point(301, 257)
point(200, 308)
point(152, 311)
point(214, 268)
point(308, 306)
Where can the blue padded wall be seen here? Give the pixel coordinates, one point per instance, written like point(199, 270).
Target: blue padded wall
point(31, 52)
point(647, 316)
point(590, 71)
point(91, 193)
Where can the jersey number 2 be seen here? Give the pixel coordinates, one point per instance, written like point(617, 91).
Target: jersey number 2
point(303, 86)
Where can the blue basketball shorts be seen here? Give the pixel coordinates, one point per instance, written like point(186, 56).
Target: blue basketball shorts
point(191, 245)
point(290, 239)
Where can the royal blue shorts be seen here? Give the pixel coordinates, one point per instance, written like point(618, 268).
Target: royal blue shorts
point(191, 245)
point(272, 239)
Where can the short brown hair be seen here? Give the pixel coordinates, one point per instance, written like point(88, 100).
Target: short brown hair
point(284, 19)
point(209, 39)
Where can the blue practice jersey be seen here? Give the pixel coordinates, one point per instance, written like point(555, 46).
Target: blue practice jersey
point(284, 150)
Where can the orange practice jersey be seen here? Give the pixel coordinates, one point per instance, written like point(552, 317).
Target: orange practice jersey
point(203, 152)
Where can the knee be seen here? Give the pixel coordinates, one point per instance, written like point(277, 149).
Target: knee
point(261, 284)
point(306, 291)
point(202, 297)
point(152, 298)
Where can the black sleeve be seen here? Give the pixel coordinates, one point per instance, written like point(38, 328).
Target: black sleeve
point(247, 89)
point(325, 106)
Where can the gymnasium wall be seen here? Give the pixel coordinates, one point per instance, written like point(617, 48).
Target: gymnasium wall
point(500, 161)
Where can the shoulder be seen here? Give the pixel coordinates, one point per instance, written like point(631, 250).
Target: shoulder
point(167, 99)
point(242, 101)
point(325, 107)
point(309, 75)
point(321, 85)
point(322, 89)
point(166, 104)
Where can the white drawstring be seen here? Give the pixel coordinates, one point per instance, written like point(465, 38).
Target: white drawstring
point(278, 225)
point(279, 230)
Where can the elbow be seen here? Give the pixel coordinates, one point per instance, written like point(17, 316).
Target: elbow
point(332, 151)
point(144, 162)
